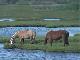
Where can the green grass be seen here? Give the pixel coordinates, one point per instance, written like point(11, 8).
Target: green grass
point(66, 11)
point(34, 17)
point(4, 39)
point(62, 23)
point(39, 45)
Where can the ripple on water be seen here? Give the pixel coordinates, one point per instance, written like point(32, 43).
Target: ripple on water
point(18, 54)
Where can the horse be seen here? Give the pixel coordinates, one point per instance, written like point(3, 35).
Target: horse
point(23, 34)
point(57, 35)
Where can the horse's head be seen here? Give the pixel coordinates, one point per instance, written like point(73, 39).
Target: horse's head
point(12, 40)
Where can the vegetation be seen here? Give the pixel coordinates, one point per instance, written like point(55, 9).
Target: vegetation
point(37, 1)
point(33, 15)
point(32, 12)
point(39, 45)
point(62, 23)
point(65, 11)
point(4, 39)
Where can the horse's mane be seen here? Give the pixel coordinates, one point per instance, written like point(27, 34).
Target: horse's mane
point(15, 34)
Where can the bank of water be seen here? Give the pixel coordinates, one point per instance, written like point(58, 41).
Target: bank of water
point(18, 54)
point(40, 31)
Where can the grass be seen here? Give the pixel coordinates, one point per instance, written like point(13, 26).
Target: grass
point(62, 23)
point(4, 39)
point(39, 45)
point(28, 15)
point(34, 17)
point(29, 11)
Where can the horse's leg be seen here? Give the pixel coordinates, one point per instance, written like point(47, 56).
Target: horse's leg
point(63, 37)
point(45, 41)
point(31, 40)
point(22, 40)
point(50, 41)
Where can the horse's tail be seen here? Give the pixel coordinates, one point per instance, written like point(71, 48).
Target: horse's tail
point(67, 33)
point(66, 38)
point(34, 34)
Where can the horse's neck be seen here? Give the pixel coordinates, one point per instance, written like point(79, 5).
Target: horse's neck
point(14, 35)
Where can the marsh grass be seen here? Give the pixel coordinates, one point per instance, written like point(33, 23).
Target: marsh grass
point(62, 23)
point(28, 11)
point(4, 39)
point(39, 45)
point(67, 12)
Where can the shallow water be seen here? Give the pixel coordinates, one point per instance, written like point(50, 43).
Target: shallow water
point(41, 31)
point(7, 19)
point(18, 54)
point(52, 19)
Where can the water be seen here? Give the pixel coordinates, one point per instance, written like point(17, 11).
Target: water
point(7, 19)
point(41, 31)
point(52, 19)
point(18, 54)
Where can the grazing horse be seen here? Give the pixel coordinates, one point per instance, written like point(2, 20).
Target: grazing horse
point(57, 35)
point(28, 34)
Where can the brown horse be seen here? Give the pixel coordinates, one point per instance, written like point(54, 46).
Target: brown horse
point(57, 35)
point(28, 34)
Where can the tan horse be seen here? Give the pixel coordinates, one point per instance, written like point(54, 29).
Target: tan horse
point(57, 35)
point(28, 34)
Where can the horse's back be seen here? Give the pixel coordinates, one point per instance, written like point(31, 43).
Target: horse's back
point(31, 33)
point(56, 34)
point(25, 33)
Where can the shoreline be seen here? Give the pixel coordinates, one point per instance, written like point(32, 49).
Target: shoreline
point(46, 50)
point(41, 50)
point(39, 26)
point(56, 47)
